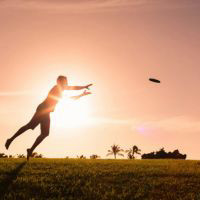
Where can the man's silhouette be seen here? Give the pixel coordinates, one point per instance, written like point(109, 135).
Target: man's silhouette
point(42, 114)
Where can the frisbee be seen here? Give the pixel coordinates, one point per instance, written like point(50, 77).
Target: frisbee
point(154, 80)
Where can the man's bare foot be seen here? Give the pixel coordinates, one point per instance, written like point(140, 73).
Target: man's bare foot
point(8, 142)
point(29, 154)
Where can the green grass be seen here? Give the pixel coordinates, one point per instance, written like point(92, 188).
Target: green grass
point(99, 179)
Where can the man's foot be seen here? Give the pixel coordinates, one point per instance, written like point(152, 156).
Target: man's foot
point(8, 142)
point(29, 154)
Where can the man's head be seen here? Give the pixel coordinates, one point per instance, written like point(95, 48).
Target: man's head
point(62, 81)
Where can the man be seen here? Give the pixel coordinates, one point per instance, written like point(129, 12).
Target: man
point(42, 114)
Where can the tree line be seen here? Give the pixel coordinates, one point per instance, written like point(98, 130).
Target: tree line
point(162, 154)
point(34, 155)
point(134, 150)
point(116, 150)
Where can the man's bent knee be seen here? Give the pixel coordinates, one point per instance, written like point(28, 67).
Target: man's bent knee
point(31, 126)
point(27, 126)
point(44, 135)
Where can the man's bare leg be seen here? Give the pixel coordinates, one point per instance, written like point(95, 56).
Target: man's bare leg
point(19, 132)
point(39, 139)
point(44, 126)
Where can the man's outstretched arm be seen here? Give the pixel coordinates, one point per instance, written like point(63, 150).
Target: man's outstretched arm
point(81, 95)
point(77, 87)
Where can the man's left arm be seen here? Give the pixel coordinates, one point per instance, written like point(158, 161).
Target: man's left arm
point(77, 87)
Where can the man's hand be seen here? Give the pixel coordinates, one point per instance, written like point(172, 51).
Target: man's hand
point(85, 92)
point(87, 86)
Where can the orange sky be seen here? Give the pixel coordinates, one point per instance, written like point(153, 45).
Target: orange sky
point(117, 45)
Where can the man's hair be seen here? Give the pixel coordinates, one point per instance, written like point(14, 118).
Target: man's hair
point(61, 78)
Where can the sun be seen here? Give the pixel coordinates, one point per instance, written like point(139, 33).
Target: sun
point(71, 113)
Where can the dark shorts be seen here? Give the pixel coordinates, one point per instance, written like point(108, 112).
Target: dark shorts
point(43, 118)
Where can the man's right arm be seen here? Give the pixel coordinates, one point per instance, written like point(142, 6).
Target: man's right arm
point(81, 95)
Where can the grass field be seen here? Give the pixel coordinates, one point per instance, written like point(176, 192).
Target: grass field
point(99, 179)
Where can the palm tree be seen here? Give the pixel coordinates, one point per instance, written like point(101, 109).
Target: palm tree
point(132, 151)
point(81, 157)
point(115, 150)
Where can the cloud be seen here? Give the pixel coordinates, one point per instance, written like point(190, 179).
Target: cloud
point(90, 6)
point(104, 120)
point(16, 93)
point(69, 5)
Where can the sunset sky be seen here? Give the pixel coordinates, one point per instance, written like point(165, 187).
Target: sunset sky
point(117, 45)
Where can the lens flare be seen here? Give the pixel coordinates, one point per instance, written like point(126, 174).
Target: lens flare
point(71, 113)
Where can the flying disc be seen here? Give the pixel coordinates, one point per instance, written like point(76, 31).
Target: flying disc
point(154, 80)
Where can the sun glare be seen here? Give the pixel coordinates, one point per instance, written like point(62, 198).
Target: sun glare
point(71, 113)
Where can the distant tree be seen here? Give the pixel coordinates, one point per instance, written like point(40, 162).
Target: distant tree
point(67, 157)
point(21, 156)
point(36, 155)
point(3, 155)
point(115, 150)
point(39, 156)
point(177, 155)
point(94, 156)
point(162, 154)
point(81, 157)
point(148, 155)
point(132, 151)
point(10, 156)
